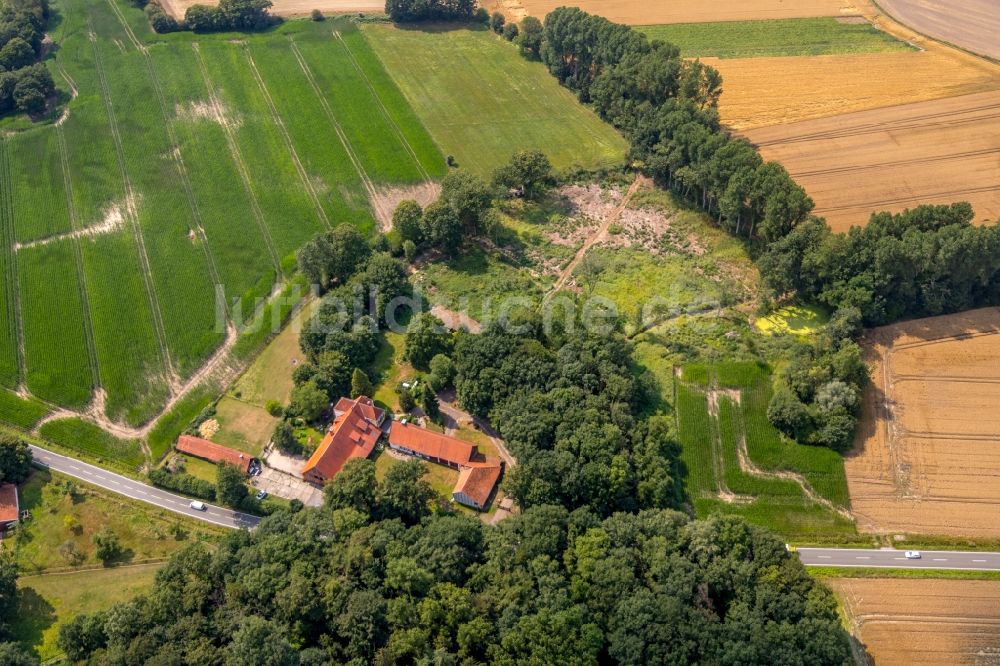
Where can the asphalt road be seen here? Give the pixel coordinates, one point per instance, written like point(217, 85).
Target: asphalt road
point(896, 559)
point(140, 491)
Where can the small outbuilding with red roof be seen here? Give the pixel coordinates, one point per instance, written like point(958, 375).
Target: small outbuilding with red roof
point(214, 453)
point(10, 508)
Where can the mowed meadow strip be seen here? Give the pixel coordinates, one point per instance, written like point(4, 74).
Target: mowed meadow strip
point(482, 101)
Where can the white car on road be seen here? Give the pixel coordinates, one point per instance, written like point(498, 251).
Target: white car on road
point(198, 506)
point(912, 554)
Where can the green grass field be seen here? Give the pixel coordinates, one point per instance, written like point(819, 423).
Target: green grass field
point(83, 436)
point(482, 101)
point(779, 37)
point(721, 405)
point(175, 192)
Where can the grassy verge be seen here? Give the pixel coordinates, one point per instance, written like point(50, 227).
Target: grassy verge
point(79, 435)
point(780, 37)
point(875, 572)
point(60, 533)
point(172, 424)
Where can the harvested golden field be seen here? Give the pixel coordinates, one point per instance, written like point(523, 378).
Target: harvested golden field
point(288, 7)
point(923, 621)
point(648, 12)
point(971, 24)
point(760, 92)
point(939, 151)
point(927, 456)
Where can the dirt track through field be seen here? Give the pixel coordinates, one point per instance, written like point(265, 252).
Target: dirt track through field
point(648, 12)
point(927, 455)
point(894, 158)
point(970, 24)
point(923, 621)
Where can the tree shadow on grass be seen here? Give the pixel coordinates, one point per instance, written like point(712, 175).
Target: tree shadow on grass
point(34, 616)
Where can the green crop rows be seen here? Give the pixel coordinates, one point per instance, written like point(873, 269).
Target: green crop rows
point(173, 194)
point(722, 406)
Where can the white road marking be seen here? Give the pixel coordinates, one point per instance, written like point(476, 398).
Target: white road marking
point(978, 560)
point(940, 559)
point(823, 557)
point(862, 557)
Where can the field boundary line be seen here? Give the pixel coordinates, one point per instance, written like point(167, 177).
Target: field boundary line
point(88, 324)
point(128, 29)
point(11, 284)
point(241, 166)
point(373, 198)
point(280, 123)
point(385, 111)
point(133, 215)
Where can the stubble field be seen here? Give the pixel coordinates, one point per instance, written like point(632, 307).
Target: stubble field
point(923, 621)
point(894, 158)
point(645, 12)
point(176, 8)
point(927, 458)
point(971, 24)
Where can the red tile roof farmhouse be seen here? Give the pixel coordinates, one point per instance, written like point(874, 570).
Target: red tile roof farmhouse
point(354, 434)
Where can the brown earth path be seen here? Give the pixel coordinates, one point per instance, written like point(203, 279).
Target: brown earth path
point(599, 234)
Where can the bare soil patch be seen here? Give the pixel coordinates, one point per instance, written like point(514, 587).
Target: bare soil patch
point(176, 8)
point(387, 198)
point(923, 621)
point(971, 24)
point(894, 158)
point(927, 455)
point(648, 12)
point(206, 110)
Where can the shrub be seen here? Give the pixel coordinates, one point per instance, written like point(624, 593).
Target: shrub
point(274, 408)
point(183, 483)
point(159, 20)
point(107, 546)
point(497, 22)
point(510, 32)
point(317, 15)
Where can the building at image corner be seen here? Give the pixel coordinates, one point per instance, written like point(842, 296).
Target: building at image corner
point(10, 508)
point(356, 429)
point(477, 474)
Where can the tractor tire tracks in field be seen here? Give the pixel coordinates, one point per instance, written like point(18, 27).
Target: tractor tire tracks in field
point(241, 166)
point(11, 279)
point(379, 208)
point(132, 214)
point(385, 111)
point(289, 144)
point(182, 172)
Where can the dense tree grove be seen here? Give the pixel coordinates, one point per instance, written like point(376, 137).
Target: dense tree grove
point(378, 578)
point(15, 459)
point(25, 84)
point(927, 261)
point(405, 11)
point(568, 408)
point(243, 15)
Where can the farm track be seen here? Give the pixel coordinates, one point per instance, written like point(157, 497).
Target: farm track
point(240, 163)
point(335, 124)
point(385, 112)
point(276, 118)
point(132, 214)
point(88, 324)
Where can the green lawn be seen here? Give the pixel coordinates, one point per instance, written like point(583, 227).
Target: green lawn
point(795, 319)
point(780, 37)
point(243, 426)
point(83, 436)
point(46, 602)
point(482, 101)
point(57, 519)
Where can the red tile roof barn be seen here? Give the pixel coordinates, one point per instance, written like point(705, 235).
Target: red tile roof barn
point(212, 452)
point(476, 483)
point(354, 434)
point(9, 507)
point(431, 444)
